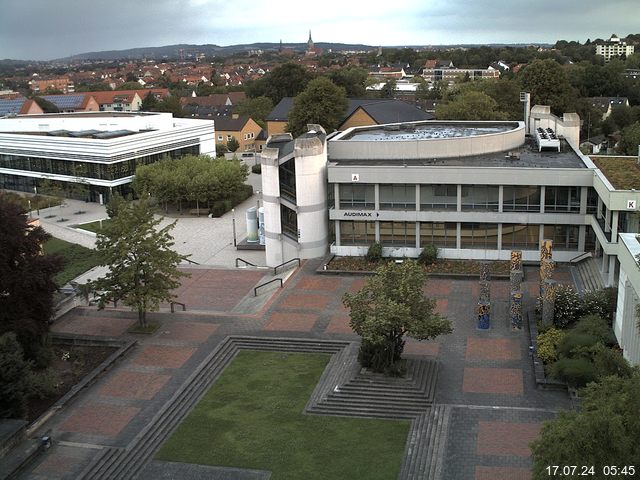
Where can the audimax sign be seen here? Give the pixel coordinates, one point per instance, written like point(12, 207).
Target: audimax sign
point(361, 214)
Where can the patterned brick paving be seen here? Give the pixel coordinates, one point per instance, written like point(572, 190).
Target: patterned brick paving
point(506, 438)
point(356, 284)
point(57, 466)
point(492, 349)
point(293, 322)
point(216, 290)
point(431, 349)
point(163, 356)
point(438, 288)
point(100, 419)
point(326, 284)
point(442, 305)
point(187, 331)
point(306, 301)
point(142, 386)
point(502, 473)
point(97, 326)
point(506, 381)
point(339, 324)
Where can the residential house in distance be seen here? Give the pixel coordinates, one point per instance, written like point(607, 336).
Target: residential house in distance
point(18, 106)
point(614, 47)
point(63, 84)
point(126, 100)
point(244, 129)
point(607, 104)
point(445, 71)
point(76, 102)
point(359, 112)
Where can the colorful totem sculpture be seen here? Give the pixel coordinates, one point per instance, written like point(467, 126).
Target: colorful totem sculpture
point(484, 300)
point(515, 298)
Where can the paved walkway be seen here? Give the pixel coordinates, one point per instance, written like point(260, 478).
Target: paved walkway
point(208, 241)
point(485, 376)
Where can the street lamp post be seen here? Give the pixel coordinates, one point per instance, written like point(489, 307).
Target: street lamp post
point(233, 223)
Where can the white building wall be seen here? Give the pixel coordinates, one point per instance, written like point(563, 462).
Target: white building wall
point(311, 196)
point(626, 324)
point(274, 250)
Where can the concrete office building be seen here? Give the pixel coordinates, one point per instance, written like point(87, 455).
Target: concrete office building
point(99, 149)
point(476, 190)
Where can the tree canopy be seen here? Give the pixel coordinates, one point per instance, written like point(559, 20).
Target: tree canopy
point(143, 267)
point(26, 280)
point(287, 80)
point(630, 141)
point(352, 79)
point(391, 305)
point(470, 105)
point(322, 102)
point(548, 84)
point(190, 178)
point(604, 432)
point(257, 108)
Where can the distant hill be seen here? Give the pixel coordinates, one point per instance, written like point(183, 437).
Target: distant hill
point(173, 51)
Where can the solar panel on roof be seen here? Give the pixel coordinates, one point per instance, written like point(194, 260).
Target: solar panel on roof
point(11, 106)
point(66, 101)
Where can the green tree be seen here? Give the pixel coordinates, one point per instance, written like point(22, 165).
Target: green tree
point(630, 141)
point(26, 281)
point(391, 305)
point(143, 267)
point(388, 90)
point(548, 84)
point(257, 108)
point(470, 105)
point(352, 79)
point(46, 105)
point(287, 80)
point(322, 102)
point(130, 85)
point(604, 432)
point(149, 103)
point(15, 373)
point(233, 144)
point(170, 104)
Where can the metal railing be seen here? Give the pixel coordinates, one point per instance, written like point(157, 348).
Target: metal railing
point(238, 259)
point(275, 269)
point(255, 290)
point(580, 257)
point(172, 305)
point(190, 261)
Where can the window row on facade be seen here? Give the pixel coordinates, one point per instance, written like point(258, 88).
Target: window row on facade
point(102, 171)
point(521, 198)
point(472, 235)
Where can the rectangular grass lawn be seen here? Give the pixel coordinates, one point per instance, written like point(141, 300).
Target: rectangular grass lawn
point(95, 227)
point(252, 417)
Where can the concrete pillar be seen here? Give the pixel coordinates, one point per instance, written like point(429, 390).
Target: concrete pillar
point(582, 235)
point(543, 191)
point(377, 231)
point(499, 236)
point(459, 198)
point(599, 209)
point(337, 231)
point(611, 278)
point(311, 194)
point(584, 192)
point(376, 196)
point(500, 200)
point(417, 198)
point(458, 234)
point(418, 235)
point(336, 196)
point(271, 202)
point(614, 226)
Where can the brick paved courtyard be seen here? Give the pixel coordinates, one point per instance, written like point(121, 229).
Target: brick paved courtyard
point(486, 376)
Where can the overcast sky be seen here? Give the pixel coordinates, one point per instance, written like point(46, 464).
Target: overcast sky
point(48, 29)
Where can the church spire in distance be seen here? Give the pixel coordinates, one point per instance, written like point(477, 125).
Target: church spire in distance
point(310, 42)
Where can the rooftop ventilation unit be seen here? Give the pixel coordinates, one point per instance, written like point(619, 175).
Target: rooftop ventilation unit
point(547, 138)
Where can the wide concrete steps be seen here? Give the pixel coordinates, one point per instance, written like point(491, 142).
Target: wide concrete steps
point(587, 274)
point(425, 449)
point(367, 394)
point(118, 463)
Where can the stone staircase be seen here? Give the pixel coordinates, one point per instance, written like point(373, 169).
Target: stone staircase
point(343, 390)
point(124, 463)
point(425, 449)
point(367, 394)
point(586, 275)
